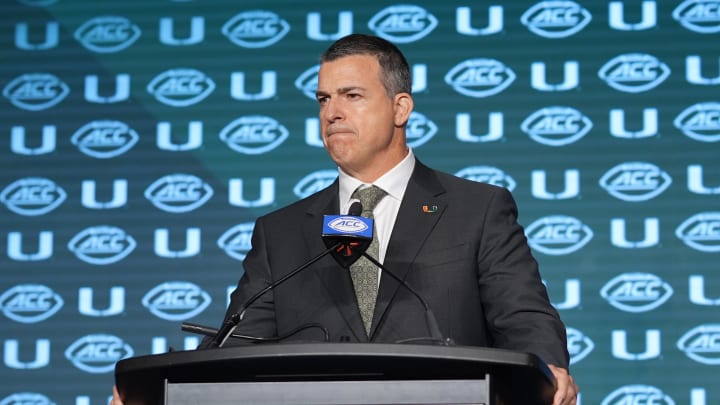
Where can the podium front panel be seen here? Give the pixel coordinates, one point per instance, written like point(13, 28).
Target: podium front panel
point(428, 392)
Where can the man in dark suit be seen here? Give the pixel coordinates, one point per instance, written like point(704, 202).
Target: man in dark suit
point(456, 242)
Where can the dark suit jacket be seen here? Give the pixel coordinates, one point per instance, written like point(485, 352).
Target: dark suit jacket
point(468, 257)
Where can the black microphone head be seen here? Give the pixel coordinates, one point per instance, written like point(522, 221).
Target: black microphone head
point(349, 248)
point(355, 208)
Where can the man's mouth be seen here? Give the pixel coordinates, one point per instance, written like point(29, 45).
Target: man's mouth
point(337, 130)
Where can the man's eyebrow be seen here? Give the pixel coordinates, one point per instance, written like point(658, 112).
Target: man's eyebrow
point(344, 90)
point(341, 90)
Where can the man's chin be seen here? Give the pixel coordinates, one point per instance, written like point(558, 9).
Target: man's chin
point(340, 156)
point(338, 144)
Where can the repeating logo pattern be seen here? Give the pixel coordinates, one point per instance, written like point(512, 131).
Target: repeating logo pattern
point(139, 147)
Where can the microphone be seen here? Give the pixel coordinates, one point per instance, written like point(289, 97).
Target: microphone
point(355, 208)
point(355, 235)
point(351, 234)
point(341, 241)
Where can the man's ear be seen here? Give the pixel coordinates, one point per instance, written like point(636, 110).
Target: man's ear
point(404, 105)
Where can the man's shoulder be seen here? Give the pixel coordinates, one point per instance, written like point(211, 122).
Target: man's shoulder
point(312, 203)
point(453, 183)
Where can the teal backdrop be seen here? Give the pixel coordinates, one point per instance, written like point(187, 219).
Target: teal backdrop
point(139, 140)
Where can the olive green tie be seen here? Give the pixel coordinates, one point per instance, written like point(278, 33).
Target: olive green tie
point(363, 272)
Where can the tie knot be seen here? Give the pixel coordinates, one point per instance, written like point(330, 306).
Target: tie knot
point(369, 198)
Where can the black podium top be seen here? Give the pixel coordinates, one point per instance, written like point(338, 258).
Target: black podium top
point(520, 378)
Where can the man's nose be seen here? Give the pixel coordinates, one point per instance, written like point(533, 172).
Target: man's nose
point(332, 111)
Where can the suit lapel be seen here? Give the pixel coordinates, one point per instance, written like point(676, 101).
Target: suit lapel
point(334, 278)
point(421, 208)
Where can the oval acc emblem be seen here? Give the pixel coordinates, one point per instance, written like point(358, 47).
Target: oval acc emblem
point(348, 225)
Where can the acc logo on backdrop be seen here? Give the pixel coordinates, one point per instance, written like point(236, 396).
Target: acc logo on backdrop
point(98, 353)
point(254, 134)
point(403, 23)
point(255, 29)
point(307, 82)
point(104, 139)
point(481, 77)
point(701, 232)
point(36, 91)
point(488, 175)
point(558, 235)
point(107, 34)
point(236, 241)
point(102, 245)
point(20, 398)
point(176, 300)
point(556, 19)
point(702, 344)
point(556, 126)
point(699, 16)
point(419, 130)
point(578, 344)
point(637, 394)
point(32, 196)
point(178, 193)
point(634, 72)
point(314, 182)
point(636, 292)
point(700, 122)
point(181, 87)
point(635, 181)
point(30, 303)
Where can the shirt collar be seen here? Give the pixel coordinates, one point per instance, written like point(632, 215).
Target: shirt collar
point(394, 182)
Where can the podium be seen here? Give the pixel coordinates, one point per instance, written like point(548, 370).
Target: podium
point(336, 373)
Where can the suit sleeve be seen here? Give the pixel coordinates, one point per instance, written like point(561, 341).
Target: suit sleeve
point(518, 310)
point(259, 319)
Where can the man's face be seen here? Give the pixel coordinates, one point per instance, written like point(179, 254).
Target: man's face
point(361, 125)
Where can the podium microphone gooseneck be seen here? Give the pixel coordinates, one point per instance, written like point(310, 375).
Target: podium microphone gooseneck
point(435, 335)
point(353, 239)
point(229, 326)
point(347, 256)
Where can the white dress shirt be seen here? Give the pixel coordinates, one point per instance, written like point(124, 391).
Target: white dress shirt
point(394, 182)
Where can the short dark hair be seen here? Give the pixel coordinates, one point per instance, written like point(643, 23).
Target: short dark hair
point(394, 69)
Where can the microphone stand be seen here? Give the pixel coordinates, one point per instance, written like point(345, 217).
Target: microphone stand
point(433, 327)
point(231, 323)
point(211, 332)
point(336, 245)
point(345, 244)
